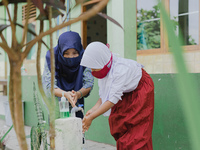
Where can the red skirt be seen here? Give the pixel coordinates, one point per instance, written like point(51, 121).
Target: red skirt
point(131, 119)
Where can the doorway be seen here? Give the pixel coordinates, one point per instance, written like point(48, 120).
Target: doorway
point(94, 29)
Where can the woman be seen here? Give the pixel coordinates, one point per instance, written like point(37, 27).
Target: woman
point(74, 80)
point(126, 95)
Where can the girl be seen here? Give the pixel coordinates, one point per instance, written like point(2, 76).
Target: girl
point(126, 95)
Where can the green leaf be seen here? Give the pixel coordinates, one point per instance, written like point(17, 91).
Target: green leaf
point(6, 134)
point(187, 86)
point(109, 18)
point(35, 138)
point(55, 4)
point(3, 26)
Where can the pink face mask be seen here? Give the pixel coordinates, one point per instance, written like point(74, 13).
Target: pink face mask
point(104, 71)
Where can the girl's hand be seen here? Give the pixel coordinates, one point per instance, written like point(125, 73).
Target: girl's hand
point(89, 112)
point(87, 121)
point(70, 96)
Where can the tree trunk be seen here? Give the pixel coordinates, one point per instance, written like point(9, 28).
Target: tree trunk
point(15, 102)
point(52, 128)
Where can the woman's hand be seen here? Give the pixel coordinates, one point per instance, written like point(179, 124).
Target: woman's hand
point(70, 97)
point(76, 96)
point(87, 121)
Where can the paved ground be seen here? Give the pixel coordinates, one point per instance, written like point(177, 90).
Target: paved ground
point(12, 144)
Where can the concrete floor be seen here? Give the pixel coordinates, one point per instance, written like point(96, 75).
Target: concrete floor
point(12, 144)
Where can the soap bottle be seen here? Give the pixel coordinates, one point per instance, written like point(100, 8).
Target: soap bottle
point(64, 107)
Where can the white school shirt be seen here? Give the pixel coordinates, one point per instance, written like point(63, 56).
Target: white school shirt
point(123, 77)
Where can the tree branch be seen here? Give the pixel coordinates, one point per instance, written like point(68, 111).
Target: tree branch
point(52, 119)
point(39, 70)
point(93, 11)
point(3, 39)
point(52, 56)
point(9, 16)
point(11, 54)
point(15, 13)
point(14, 39)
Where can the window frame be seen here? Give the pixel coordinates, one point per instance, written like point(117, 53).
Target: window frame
point(163, 37)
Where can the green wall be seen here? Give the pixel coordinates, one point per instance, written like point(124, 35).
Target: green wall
point(169, 130)
point(27, 96)
point(99, 130)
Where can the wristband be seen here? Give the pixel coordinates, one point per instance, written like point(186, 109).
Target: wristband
point(81, 94)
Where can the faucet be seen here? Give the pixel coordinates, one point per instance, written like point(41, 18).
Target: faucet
point(75, 109)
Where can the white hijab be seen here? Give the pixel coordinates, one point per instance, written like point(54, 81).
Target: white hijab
point(96, 55)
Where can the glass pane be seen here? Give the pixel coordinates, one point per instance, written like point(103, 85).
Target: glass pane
point(148, 24)
point(185, 15)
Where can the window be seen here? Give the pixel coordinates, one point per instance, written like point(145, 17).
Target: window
point(185, 15)
point(150, 34)
point(148, 25)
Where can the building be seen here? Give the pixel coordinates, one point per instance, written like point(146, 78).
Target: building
point(143, 39)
